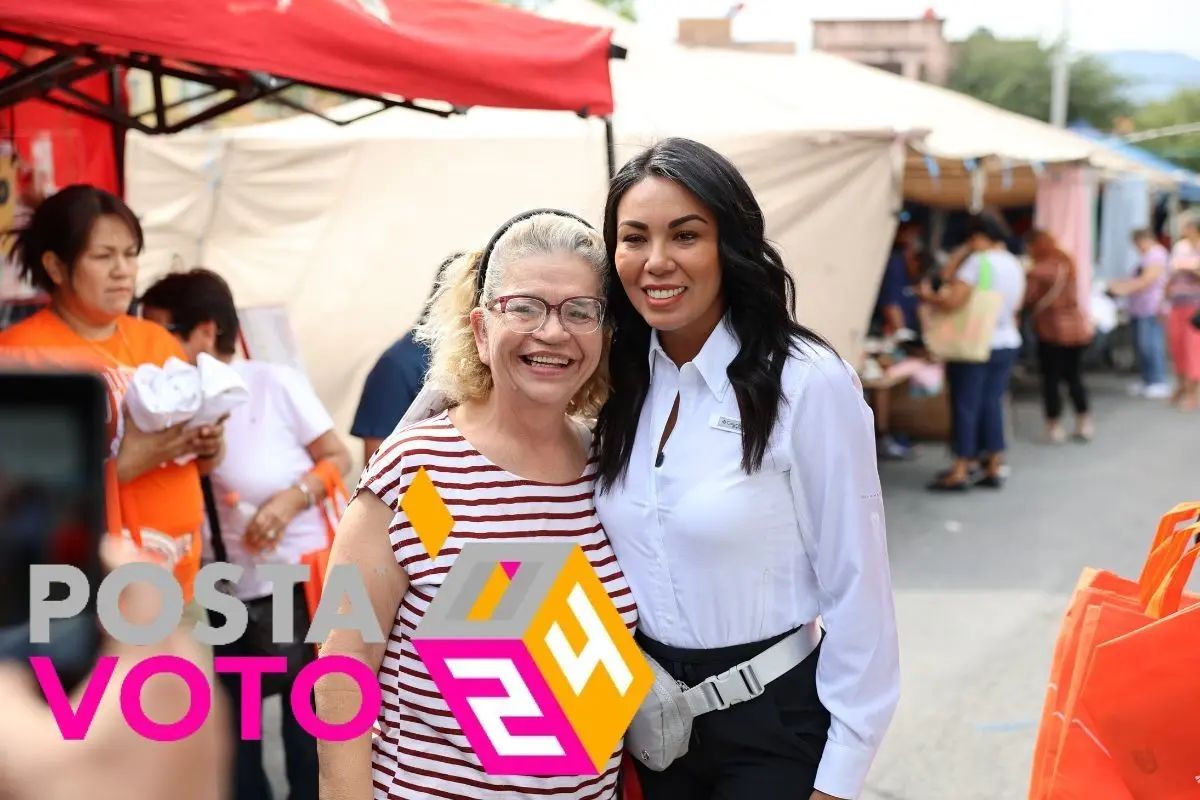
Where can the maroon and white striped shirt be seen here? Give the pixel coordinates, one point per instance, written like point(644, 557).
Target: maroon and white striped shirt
point(420, 752)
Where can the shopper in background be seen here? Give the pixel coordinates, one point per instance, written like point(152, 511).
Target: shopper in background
point(81, 246)
point(1063, 332)
point(896, 306)
point(265, 494)
point(977, 390)
point(394, 382)
point(896, 310)
point(1183, 301)
point(1144, 293)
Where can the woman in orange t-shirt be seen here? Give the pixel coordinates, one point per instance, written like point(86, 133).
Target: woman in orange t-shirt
point(81, 246)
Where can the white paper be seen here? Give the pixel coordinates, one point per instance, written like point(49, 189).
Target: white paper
point(177, 392)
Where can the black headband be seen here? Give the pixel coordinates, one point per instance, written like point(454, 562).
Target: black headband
point(481, 273)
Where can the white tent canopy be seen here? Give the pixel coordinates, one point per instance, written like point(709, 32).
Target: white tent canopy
point(346, 225)
point(814, 91)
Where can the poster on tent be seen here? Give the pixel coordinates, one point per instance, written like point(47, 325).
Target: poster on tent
point(13, 211)
point(267, 335)
point(57, 146)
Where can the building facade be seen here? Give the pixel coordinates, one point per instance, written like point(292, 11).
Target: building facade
point(914, 48)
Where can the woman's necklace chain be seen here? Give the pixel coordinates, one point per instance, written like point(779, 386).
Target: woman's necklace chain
point(90, 343)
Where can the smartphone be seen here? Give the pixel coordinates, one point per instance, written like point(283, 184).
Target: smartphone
point(53, 445)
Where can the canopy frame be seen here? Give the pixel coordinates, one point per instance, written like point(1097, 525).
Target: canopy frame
point(51, 80)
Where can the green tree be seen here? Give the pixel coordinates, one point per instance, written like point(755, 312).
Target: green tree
point(1180, 109)
point(1016, 74)
point(626, 8)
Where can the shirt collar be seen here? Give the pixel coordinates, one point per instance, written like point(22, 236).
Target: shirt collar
point(713, 360)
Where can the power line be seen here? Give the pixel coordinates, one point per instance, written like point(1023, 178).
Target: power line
point(1162, 133)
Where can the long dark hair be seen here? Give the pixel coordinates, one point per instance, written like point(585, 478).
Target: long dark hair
point(759, 294)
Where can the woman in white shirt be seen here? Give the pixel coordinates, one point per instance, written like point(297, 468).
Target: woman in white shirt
point(739, 489)
point(265, 497)
point(977, 389)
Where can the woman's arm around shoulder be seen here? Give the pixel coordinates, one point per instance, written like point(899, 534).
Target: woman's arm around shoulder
point(839, 506)
point(363, 542)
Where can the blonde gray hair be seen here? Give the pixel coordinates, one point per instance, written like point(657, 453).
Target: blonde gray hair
point(454, 366)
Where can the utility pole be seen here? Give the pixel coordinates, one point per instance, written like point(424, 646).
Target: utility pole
point(1060, 86)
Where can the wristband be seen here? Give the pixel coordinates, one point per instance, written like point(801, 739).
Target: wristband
point(308, 495)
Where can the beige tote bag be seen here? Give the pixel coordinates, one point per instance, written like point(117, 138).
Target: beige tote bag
point(965, 334)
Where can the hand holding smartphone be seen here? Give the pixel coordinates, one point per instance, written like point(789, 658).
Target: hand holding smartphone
point(53, 445)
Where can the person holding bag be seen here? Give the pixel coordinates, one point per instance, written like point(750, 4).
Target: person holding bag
point(738, 486)
point(981, 294)
point(266, 503)
point(1063, 332)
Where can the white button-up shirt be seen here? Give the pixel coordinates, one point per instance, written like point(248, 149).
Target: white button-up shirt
point(716, 557)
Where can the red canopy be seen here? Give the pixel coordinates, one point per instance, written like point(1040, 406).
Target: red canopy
point(463, 52)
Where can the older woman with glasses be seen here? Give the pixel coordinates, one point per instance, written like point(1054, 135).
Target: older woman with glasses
point(518, 346)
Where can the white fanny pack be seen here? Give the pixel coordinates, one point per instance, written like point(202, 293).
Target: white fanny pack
point(662, 728)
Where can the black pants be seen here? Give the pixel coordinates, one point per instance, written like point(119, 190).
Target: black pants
point(1061, 364)
point(250, 780)
point(767, 748)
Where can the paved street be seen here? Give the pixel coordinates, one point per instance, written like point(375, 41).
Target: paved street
point(982, 579)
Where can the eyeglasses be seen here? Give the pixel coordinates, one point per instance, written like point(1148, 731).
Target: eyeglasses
point(525, 314)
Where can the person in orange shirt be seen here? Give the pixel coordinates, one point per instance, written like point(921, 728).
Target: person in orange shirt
point(81, 246)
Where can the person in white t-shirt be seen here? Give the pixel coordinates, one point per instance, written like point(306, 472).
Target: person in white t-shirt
point(977, 389)
point(266, 502)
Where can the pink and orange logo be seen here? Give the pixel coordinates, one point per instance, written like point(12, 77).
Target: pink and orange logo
point(528, 650)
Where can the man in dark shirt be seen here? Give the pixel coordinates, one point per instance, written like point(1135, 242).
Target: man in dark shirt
point(896, 306)
point(393, 383)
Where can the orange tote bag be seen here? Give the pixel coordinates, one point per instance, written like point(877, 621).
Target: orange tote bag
point(1096, 587)
point(1084, 768)
point(1142, 696)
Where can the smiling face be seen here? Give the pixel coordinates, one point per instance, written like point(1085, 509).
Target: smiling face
point(100, 287)
point(548, 367)
point(668, 260)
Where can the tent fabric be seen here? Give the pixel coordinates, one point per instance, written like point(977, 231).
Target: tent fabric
point(820, 92)
point(1188, 181)
point(346, 226)
point(462, 52)
point(1126, 208)
point(1066, 208)
point(347, 230)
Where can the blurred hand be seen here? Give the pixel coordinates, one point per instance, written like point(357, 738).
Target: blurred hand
point(816, 795)
point(141, 452)
point(207, 440)
point(268, 526)
point(113, 762)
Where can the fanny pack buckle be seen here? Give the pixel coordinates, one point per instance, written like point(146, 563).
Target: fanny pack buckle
point(735, 685)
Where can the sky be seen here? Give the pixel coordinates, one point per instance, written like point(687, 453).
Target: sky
point(1095, 25)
